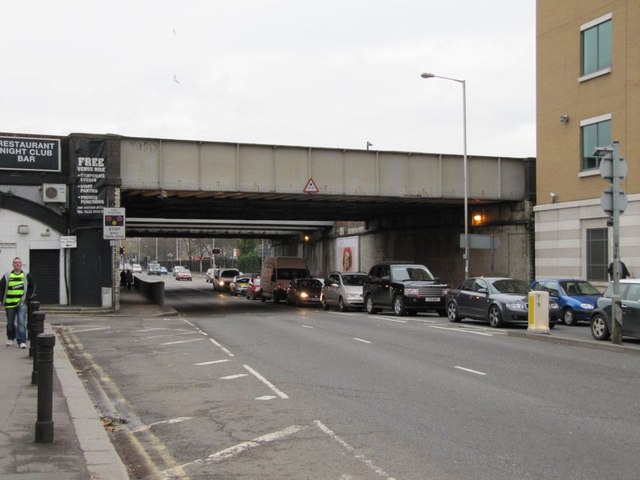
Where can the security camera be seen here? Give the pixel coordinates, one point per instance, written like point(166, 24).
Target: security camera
point(553, 196)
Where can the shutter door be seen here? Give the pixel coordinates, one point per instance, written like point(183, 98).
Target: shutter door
point(44, 266)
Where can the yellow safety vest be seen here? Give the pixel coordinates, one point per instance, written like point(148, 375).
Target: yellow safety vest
point(16, 289)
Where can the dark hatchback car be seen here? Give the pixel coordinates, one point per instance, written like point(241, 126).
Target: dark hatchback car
point(576, 299)
point(630, 299)
point(405, 288)
point(497, 300)
point(304, 291)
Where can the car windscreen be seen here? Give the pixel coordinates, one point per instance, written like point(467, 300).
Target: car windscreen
point(509, 285)
point(229, 273)
point(410, 272)
point(354, 280)
point(310, 284)
point(579, 288)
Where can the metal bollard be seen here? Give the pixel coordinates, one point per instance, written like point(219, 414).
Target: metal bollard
point(32, 307)
point(44, 423)
point(38, 328)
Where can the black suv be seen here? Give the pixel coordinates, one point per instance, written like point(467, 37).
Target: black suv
point(404, 288)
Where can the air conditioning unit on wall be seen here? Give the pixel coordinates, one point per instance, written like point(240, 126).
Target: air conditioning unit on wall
point(54, 192)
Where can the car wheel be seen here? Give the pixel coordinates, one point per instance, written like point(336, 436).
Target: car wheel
point(369, 305)
point(341, 306)
point(569, 317)
point(325, 306)
point(599, 327)
point(552, 324)
point(263, 299)
point(452, 312)
point(495, 317)
point(398, 306)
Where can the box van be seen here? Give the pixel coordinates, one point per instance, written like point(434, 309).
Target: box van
point(277, 273)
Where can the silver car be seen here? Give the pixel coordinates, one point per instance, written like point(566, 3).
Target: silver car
point(343, 290)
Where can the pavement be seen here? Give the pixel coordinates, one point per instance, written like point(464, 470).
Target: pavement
point(81, 448)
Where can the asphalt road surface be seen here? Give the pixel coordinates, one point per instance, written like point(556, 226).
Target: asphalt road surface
point(239, 389)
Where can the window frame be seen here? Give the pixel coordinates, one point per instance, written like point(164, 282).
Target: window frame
point(595, 24)
point(587, 122)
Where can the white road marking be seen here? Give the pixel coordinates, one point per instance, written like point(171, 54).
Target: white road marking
point(379, 471)
point(221, 347)
point(235, 450)
point(266, 397)
point(389, 319)
point(91, 329)
point(307, 326)
point(470, 371)
point(182, 341)
point(212, 362)
point(170, 335)
point(162, 422)
point(461, 330)
point(275, 390)
point(361, 340)
point(233, 377)
point(151, 329)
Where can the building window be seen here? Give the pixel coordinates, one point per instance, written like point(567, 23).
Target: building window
point(597, 254)
point(596, 45)
point(596, 132)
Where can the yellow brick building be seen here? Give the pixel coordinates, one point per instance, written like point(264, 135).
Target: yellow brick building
point(588, 95)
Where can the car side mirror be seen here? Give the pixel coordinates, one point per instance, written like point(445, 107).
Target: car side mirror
point(482, 290)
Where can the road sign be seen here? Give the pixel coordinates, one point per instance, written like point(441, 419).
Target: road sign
point(114, 224)
point(606, 168)
point(481, 242)
point(69, 241)
point(607, 201)
point(311, 187)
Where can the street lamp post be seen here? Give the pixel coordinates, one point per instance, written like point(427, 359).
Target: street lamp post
point(464, 165)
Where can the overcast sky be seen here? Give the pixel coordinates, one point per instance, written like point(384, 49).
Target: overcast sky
point(330, 73)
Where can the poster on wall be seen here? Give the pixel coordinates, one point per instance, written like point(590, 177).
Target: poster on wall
point(347, 258)
point(91, 187)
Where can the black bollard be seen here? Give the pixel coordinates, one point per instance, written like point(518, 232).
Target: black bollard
point(32, 307)
point(38, 328)
point(44, 424)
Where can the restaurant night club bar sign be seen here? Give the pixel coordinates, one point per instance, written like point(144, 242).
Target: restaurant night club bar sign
point(34, 154)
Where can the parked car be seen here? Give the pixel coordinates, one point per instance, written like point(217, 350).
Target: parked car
point(136, 268)
point(163, 271)
point(497, 300)
point(184, 274)
point(239, 285)
point(224, 277)
point(403, 288)
point(600, 322)
point(304, 291)
point(254, 290)
point(153, 269)
point(343, 290)
point(576, 299)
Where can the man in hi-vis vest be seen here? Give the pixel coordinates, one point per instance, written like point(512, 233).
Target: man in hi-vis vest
point(16, 287)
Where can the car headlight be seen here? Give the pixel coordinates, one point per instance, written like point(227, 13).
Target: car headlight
point(221, 283)
point(304, 294)
point(586, 306)
point(411, 292)
point(553, 306)
point(516, 306)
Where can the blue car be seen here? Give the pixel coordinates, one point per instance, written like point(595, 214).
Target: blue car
point(576, 298)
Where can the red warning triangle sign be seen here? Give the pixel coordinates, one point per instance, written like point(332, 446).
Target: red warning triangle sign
point(311, 187)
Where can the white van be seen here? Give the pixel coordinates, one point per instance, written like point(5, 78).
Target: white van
point(277, 273)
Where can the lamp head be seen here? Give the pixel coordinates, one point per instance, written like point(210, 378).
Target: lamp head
point(427, 75)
